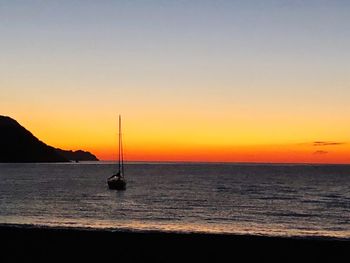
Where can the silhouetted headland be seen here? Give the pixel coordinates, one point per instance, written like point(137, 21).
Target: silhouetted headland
point(77, 155)
point(18, 145)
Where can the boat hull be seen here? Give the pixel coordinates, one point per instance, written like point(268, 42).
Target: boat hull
point(116, 184)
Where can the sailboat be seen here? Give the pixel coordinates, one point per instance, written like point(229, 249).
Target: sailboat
point(117, 180)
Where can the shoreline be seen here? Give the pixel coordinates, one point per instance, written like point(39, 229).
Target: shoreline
point(167, 232)
point(45, 244)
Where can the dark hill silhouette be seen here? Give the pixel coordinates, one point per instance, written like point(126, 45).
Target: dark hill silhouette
point(17, 144)
point(77, 155)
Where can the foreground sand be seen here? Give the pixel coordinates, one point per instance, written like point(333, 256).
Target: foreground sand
point(31, 244)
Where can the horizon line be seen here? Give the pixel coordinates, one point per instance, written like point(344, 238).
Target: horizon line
point(226, 162)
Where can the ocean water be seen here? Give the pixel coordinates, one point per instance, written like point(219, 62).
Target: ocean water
point(259, 199)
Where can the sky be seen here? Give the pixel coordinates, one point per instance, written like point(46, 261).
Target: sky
point(235, 81)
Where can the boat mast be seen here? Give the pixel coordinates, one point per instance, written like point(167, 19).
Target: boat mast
point(119, 144)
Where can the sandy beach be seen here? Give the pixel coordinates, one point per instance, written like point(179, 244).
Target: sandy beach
point(23, 243)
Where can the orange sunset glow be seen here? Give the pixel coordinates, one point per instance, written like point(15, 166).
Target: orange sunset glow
point(207, 140)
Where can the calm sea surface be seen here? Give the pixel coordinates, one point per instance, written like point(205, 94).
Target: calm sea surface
point(273, 200)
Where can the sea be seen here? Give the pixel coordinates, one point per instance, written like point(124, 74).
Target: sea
point(226, 198)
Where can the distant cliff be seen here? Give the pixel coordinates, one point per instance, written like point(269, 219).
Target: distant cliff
point(77, 155)
point(19, 145)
